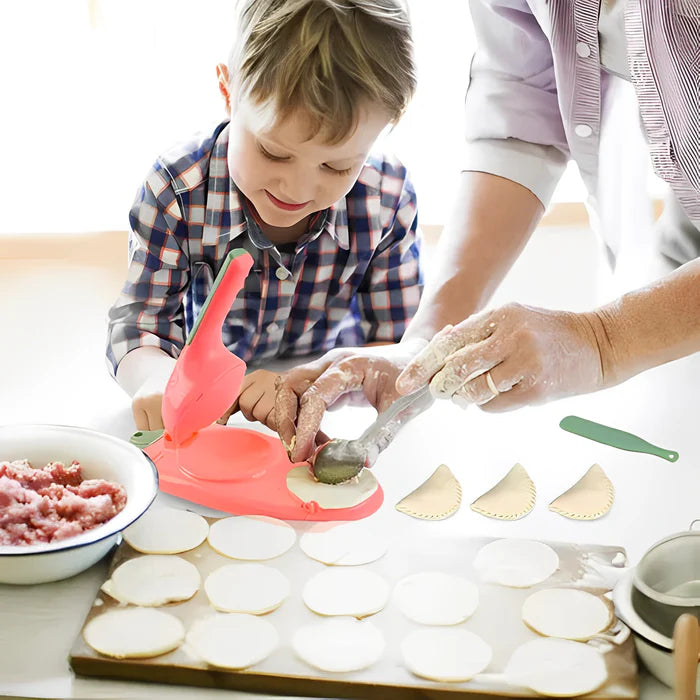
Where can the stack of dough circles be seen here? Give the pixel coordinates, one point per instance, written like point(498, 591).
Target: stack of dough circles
point(339, 644)
point(557, 667)
point(435, 598)
point(231, 640)
point(344, 544)
point(516, 563)
point(566, 613)
point(155, 579)
point(247, 588)
point(133, 633)
point(448, 654)
point(254, 537)
point(343, 591)
point(167, 531)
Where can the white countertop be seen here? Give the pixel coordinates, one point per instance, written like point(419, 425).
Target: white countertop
point(67, 384)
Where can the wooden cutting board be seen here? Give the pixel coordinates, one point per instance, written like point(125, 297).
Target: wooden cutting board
point(497, 620)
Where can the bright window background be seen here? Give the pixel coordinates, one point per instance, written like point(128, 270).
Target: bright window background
point(94, 90)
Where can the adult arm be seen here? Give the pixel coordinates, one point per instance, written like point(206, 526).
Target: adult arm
point(534, 355)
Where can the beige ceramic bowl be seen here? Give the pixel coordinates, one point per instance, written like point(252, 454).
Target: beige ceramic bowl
point(101, 457)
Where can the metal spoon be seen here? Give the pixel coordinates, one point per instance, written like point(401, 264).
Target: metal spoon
point(341, 460)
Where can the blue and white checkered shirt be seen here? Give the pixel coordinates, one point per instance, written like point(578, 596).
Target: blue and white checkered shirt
point(354, 277)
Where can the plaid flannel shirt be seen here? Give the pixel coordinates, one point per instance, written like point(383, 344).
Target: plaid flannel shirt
point(354, 277)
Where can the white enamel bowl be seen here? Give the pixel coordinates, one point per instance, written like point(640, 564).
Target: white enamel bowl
point(101, 457)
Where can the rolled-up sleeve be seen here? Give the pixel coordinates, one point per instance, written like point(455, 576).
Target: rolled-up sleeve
point(149, 310)
point(514, 127)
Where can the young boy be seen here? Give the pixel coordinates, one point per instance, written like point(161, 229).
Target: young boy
point(332, 230)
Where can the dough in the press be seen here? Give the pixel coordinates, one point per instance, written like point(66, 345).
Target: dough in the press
point(254, 537)
point(344, 544)
point(231, 640)
point(449, 654)
point(167, 531)
point(516, 563)
point(247, 588)
point(435, 499)
point(339, 644)
point(134, 633)
point(346, 591)
point(435, 598)
point(567, 613)
point(589, 498)
point(513, 497)
point(155, 579)
point(557, 667)
point(302, 484)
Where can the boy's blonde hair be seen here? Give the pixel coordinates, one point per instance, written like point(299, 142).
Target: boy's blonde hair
point(324, 57)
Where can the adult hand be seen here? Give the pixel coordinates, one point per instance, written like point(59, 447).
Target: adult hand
point(510, 357)
point(306, 392)
point(256, 398)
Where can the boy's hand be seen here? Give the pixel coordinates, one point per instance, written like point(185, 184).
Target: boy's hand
point(305, 392)
point(147, 402)
point(510, 357)
point(256, 399)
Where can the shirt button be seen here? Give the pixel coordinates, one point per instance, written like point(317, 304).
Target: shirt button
point(583, 50)
point(583, 130)
point(281, 273)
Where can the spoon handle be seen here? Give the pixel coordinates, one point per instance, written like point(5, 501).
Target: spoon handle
point(390, 421)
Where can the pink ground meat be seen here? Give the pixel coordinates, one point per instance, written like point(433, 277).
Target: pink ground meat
point(52, 503)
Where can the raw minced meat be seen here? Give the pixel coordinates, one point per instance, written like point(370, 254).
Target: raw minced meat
point(52, 503)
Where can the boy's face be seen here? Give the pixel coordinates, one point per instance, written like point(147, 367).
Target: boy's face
point(288, 176)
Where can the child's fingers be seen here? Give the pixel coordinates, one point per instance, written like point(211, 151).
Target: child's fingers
point(140, 418)
point(233, 409)
point(264, 408)
point(155, 420)
point(147, 412)
point(248, 400)
point(258, 402)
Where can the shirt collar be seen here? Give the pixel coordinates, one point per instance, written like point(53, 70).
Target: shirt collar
point(332, 221)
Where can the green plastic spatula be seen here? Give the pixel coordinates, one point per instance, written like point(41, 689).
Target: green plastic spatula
point(614, 437)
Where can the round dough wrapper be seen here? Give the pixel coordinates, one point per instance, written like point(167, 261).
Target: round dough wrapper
point(231, 640)
point(435, 598)
point(247, 588)
point(446, 655)
point(346, 591)
point(254, 537)
point(566, 613)
point(339, 645)
point(167, 531)
point(155, 579)
point(344, 544)
point(557, 667)
point(331, 496)
point(134, 633)
point(516, 563)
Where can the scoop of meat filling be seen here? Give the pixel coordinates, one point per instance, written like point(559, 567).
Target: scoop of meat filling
point(52, 503)
point(35, 479)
